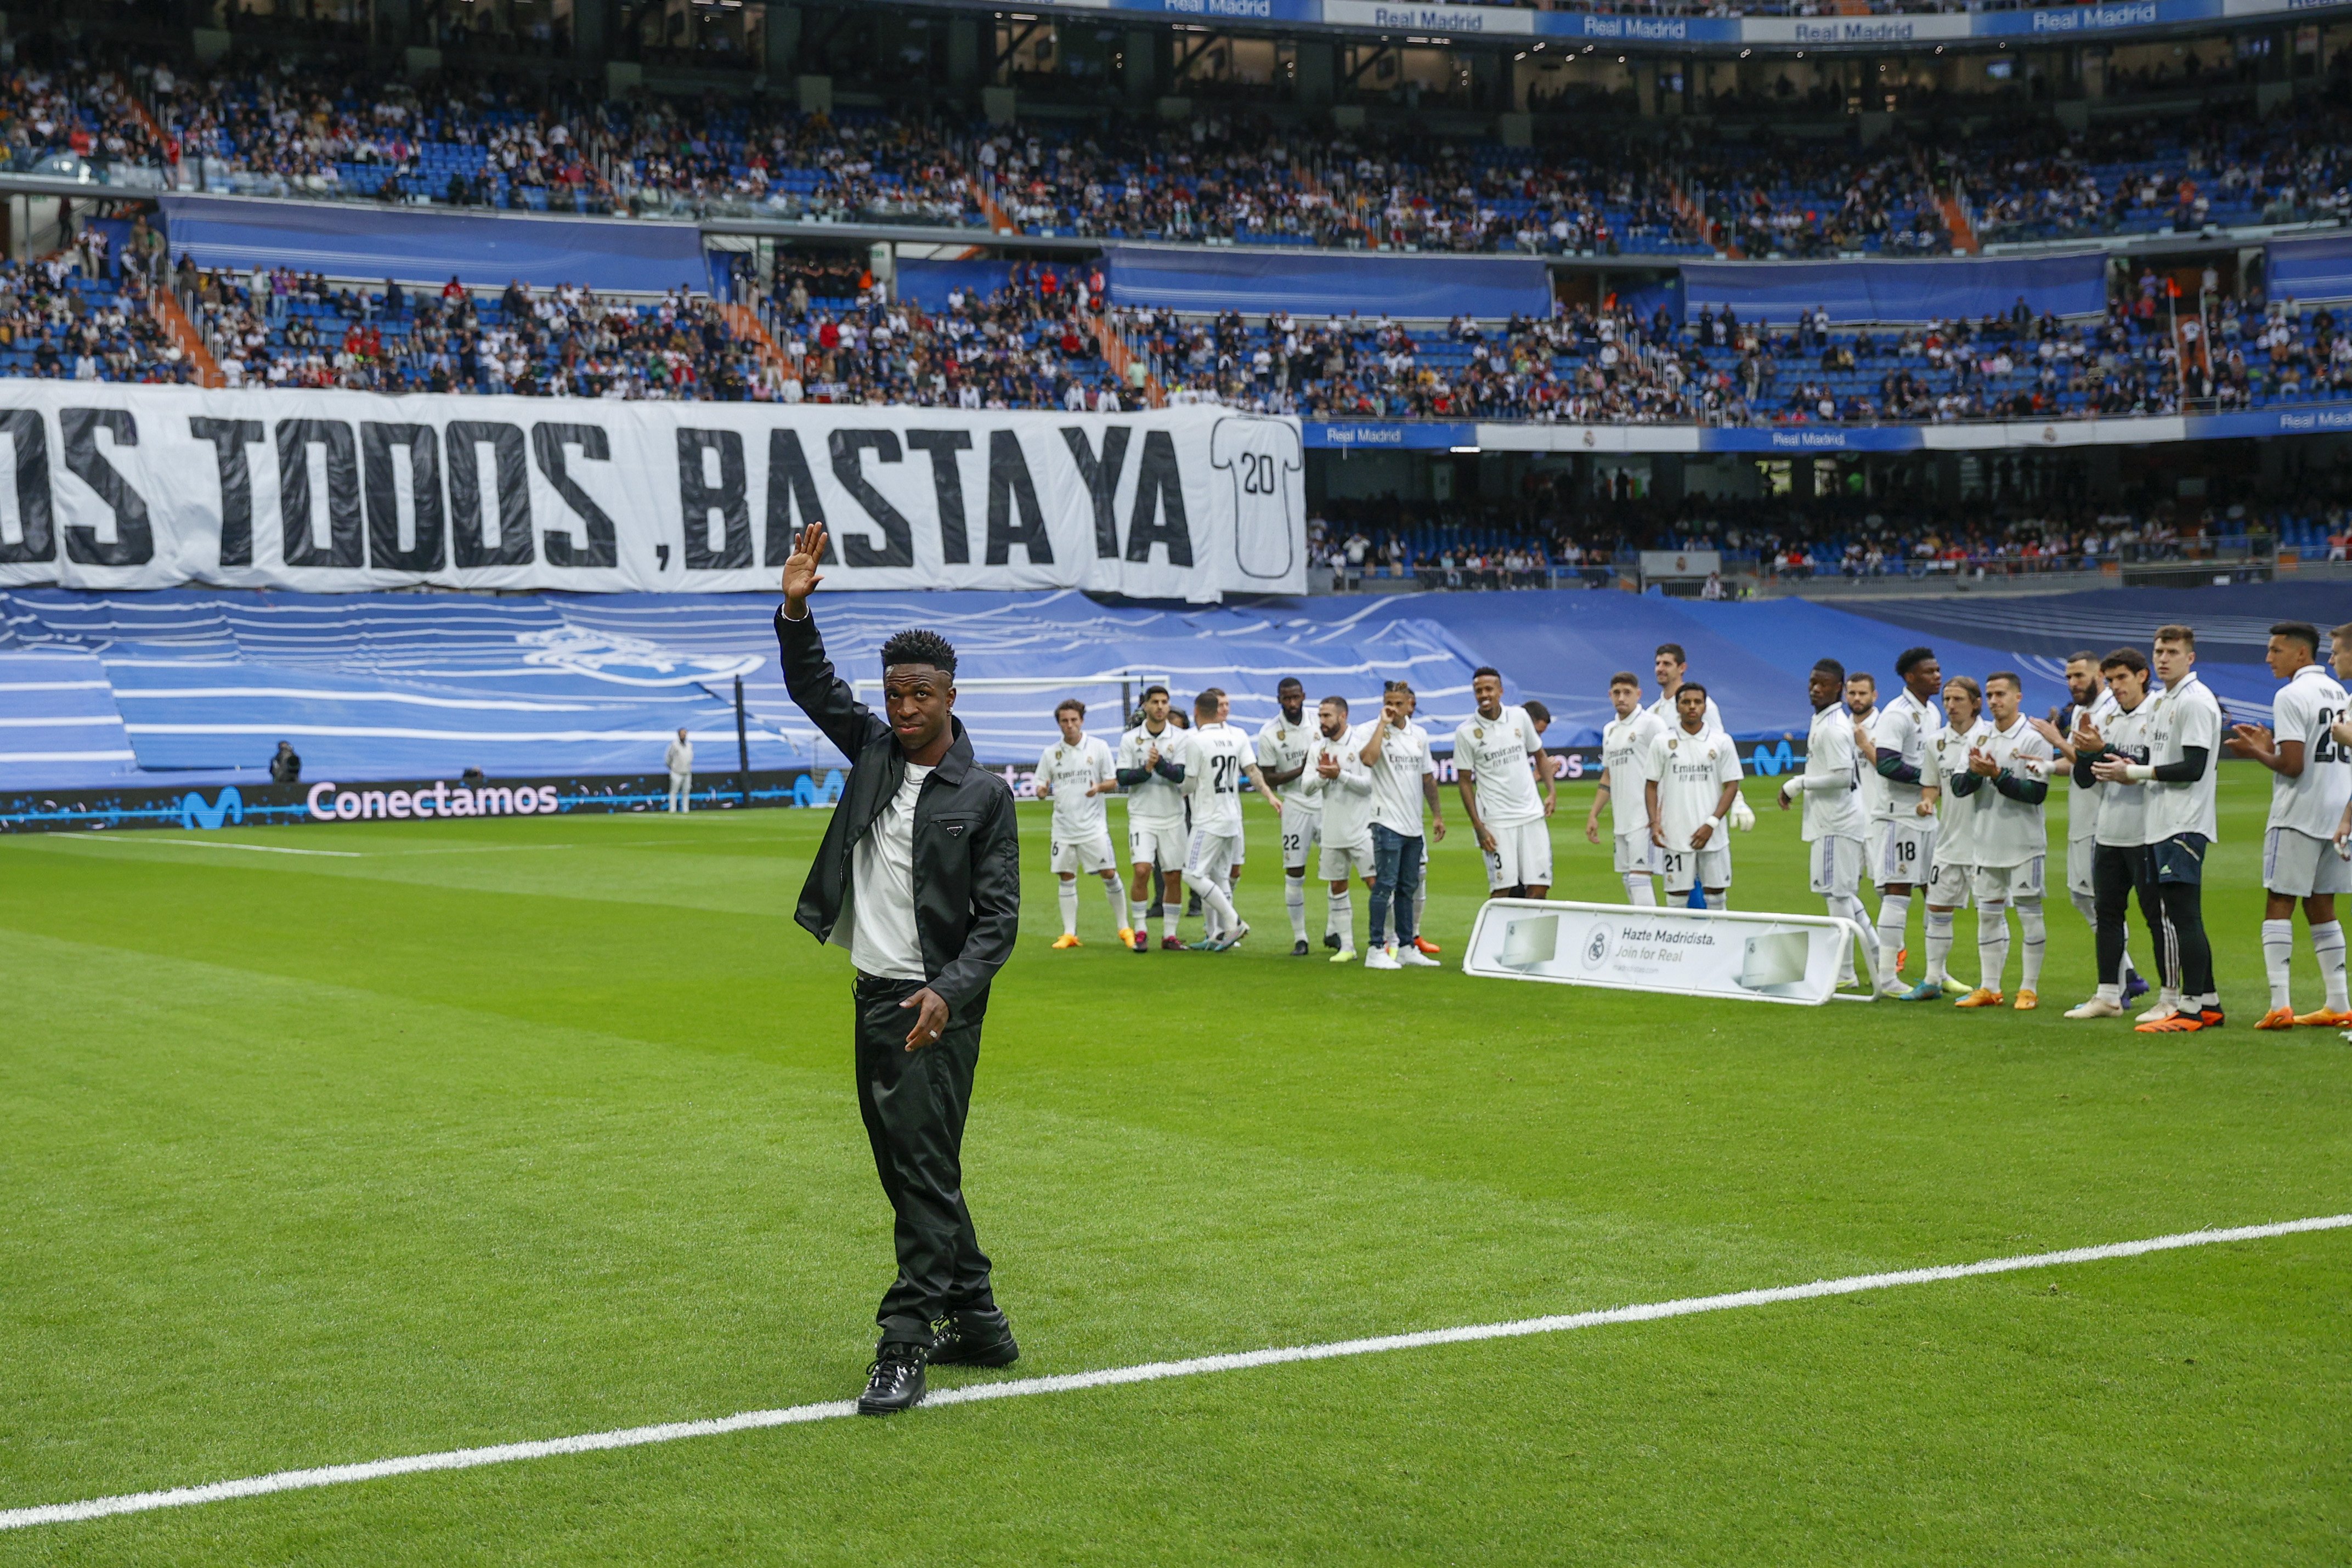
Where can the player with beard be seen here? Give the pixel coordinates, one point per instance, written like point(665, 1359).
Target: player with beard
point(2087, 697)
point(1834, 820)
point(1341, 787)
point(1282, 743)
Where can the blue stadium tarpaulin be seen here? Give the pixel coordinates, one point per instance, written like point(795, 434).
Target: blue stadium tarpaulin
point(928, 283)
point(1257, 279)
point(2310, 269)
point(414, 246)
point(1867, 291)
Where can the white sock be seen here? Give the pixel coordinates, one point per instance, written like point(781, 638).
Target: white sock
point(1894, 915)
point(1069, 894)
point(1846, 906)
point(2327, 946)
point(1170, 912)
point(1717, 900)
point(1294, 898)
point(1992, 945)
point(1420, 899)
point(2278, 956)
point(1939, 944)
point(2037, 937)
point(1343, 917)
point(2112, 993)
point(1118, 897)
point(2088, 908)
point(1219, 908)
point(1139, 914)
point(1641, 889)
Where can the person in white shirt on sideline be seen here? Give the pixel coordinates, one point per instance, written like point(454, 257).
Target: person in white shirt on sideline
point(1953, 863)
point(1861, 703)
point(679, 760)
point(2311, 790)
point(2122, 863)
point(1835, 823)
point(1625, 743)
point(2184, 734)
point(1495, 754)
point(1420, 942)
point(1900, 739)
point(1217, 758)
point(1151, 771)
point(1282, 743)
point(1074, 774)
point(1693, 778)
point(1396, 752)
point(1339, 783)
point(2087, 696)
point(2007, 776)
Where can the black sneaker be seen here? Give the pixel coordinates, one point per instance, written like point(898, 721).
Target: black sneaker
point(974, 1337)
point(895, 1381)
point(1300, 949)
point(1331, 940)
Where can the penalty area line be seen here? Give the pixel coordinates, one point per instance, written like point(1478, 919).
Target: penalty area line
point(1108, 1377)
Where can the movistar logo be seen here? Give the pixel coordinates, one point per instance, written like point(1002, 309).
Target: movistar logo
point(229, 808)
point(806, 791)
point(1775, 760)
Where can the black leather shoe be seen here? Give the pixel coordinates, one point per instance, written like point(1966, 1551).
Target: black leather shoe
point(975, 1338)
point(895, 1381)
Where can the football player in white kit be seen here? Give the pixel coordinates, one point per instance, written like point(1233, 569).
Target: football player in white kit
point(1496, 753)
point(1668, 663)
point(1954, 859)
point(1217, 758)
point(1282, 743)
point(1151, 771)
point(2303, 858)
point(1341, 785)
point(1693, 778)
point(2007, 779)
point(2185, 735)
point(2088, 697)
point(1076, 773)
point(2123, 857)
point(1836, 820)
point(1625, 743)
point(1902, 737)
point(1861, 703)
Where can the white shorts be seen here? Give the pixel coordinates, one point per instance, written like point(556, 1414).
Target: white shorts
point(1521, 856)
point(1302, 829)
point(1637, 855)
point(1161, 848)
point(1212, 856)
point(1710, 867)
point(2078, 867)
point(1947, 884)
point(1092, 853)
point(1837, 866)
point(2009, 884)
point(1906, 852)
point(2297, 866)
point(1341, 861)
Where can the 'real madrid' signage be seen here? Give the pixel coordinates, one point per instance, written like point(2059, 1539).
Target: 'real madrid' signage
point(125, 486)
point(1682, 952)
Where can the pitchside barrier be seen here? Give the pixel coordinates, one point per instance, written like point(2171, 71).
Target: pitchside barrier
point(1682, 952)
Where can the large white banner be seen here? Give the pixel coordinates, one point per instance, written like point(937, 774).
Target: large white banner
point(1684, 952)
point(108, 486)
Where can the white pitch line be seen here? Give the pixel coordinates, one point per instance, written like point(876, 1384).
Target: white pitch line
point(1149, 1371)
point(257, 848)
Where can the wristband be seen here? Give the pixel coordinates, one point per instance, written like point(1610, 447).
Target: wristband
point(2140, 773)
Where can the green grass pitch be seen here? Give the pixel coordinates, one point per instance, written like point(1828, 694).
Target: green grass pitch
point(511, 1130)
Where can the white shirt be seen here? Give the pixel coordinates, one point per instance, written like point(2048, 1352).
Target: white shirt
point(1662, 710)
point(1691, 771)
point(1625, 756)
point(1072, 771)
point(882, 940)
point(2082, 799)
point(2186, 715)
point(680, 756)
point(1156, 803)
point(1496, 752)
point(2312, 803)
point(1874, 804)
point(1947, 759)
point(1906, 726)
point(1281, 745)
point(1216, 760)
point(2123, 808)
point(1346, 800)
point(2011, 832)
point(1834, 802)
point(1396, 777)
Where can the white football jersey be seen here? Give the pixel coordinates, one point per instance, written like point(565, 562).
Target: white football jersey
point(1906, 726)
point(2306, 708)
point(1396, 777)
point(1875, 803)
point(1834, 800)
point(2124, 807)
point(1073, 770)
point(1691, 771)
point(1282, 745)
point(2011, 832)
point(2082, 800)
point(1157, 804)
point(1956, 815)
point(1346, 800)
point(1625, 746)
point(1217, 758)
point(1263, 459)
point(1496, 752)
point(1662, 710)
point(2186, 715)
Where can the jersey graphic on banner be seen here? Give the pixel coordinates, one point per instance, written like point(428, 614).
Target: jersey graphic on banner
point(1262, 456)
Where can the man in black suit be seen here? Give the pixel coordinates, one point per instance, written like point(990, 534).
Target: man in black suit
point(920, 877)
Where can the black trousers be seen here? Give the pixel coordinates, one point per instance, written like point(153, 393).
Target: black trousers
point(2118, 872)
point(914, 1104)
point(2179, 879)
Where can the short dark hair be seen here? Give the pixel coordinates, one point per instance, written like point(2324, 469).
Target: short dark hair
point(1865, 676)
point(1831, 668)
point(2130, 659)
point(1069, 704)
point(1340, 703)
point(1397, 686)
point(2303, 632)
point(1208, 700)
point(1288, 682)
point(1674, 648)
point(1911, 659)
point(2177, 633)
point(2085, 657)
point(1154, 690)
point(1535, 711)
point(1485, 670)
point(2009, 675)
point(918, 647)
point(1624, 678)
point(1686, 688)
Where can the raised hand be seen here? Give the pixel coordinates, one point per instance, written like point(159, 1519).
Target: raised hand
point(801, 574)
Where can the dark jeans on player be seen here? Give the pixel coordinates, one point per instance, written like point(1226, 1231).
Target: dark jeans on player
point(1396, 878)
point(2183, 945)
point(914, 1103)
point(2117, 872)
